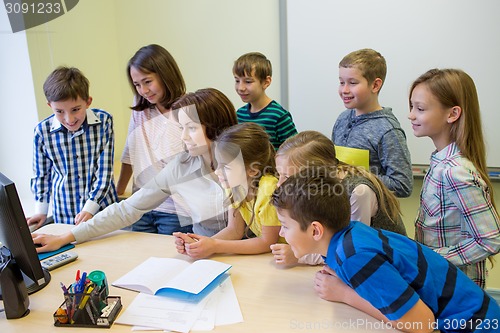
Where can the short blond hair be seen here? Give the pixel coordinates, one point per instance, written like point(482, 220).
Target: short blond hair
point(370, 62)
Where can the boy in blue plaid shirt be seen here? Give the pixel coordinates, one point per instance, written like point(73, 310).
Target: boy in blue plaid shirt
point(72, 153)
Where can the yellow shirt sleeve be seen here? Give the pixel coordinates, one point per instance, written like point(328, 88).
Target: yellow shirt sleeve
point(265, 213)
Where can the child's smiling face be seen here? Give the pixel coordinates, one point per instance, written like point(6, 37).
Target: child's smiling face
point(355, 90)
point(71, 113)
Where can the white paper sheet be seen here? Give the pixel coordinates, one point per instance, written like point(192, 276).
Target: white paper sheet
point(161, 312)
point(221, 308)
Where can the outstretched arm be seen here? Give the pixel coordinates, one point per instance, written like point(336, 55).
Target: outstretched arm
point(52, 242)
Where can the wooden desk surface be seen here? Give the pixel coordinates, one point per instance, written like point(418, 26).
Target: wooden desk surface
point(271, 299)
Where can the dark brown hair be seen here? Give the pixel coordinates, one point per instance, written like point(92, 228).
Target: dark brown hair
point(245, 64)
point(66, 83)
point(155, 59)
point(213, 110)
point(315, 195)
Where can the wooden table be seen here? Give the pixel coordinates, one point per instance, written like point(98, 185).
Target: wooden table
point(272, 299)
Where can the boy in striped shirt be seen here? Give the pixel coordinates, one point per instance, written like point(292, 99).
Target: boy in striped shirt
point(386, 275)
point(252, 75)
point(72, 153)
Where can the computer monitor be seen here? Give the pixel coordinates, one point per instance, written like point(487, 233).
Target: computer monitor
point(15, 235)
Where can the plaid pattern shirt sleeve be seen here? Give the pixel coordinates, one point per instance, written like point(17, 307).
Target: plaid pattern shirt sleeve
point(456, 217)
point(102, 177)
point(41, 179)
point(480, 236)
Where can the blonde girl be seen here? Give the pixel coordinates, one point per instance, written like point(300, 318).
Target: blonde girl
point(371, 202)
point(457, 215)
point(246, 169)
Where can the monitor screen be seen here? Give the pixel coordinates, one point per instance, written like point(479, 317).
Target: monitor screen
point(15, 235)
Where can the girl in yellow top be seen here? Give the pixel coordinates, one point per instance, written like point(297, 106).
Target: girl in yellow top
point(246, 170)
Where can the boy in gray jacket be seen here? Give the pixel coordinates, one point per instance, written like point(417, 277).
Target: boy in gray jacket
point(367, 125)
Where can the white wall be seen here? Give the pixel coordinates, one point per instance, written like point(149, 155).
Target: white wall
point(204, 36)
point(18, 113)
point(412, 36)
point(99, 37)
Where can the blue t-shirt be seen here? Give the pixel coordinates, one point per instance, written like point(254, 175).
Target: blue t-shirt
point(393, 272)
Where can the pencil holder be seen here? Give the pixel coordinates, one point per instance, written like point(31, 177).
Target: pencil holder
point(93, 308)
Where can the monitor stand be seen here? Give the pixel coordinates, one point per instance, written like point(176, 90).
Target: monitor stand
point(31, 286)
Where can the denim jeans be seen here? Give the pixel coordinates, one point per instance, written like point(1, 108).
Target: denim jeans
point(160, 223)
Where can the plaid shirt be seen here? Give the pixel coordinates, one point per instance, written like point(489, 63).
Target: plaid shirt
point(76, 169)
point(456, 217)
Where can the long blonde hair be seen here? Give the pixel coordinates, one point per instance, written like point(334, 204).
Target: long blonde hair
point(313, 149)
point(454, 87)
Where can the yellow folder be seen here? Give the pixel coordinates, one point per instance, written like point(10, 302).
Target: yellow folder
point(353, 156)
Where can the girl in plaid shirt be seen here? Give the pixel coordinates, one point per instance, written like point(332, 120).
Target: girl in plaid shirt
point(457, 215)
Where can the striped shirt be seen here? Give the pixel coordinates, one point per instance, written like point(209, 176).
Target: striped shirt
point(393, 272)
point(75, 169)
point(153, 140)
point(277, 121)
point(456, 217)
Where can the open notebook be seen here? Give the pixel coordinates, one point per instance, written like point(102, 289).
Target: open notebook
point(175, 277)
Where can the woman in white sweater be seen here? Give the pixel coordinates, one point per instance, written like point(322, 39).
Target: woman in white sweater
point(189, 179)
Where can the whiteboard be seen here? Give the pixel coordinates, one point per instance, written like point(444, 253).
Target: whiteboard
point(412, 36)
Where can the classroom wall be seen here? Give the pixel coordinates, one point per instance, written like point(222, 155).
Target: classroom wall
point(205, 37)
point(412, 37)
point(18, 114)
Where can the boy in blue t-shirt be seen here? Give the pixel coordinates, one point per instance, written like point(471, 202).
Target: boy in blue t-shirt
point(252, 75)
point(384, 274)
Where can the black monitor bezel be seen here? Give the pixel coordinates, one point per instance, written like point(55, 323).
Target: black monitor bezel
point(16, 236)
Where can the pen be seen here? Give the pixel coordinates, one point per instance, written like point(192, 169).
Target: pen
point(83, 280)
point(86, 297)
point(67, 300)
point(64, 289)
point(80, 286)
